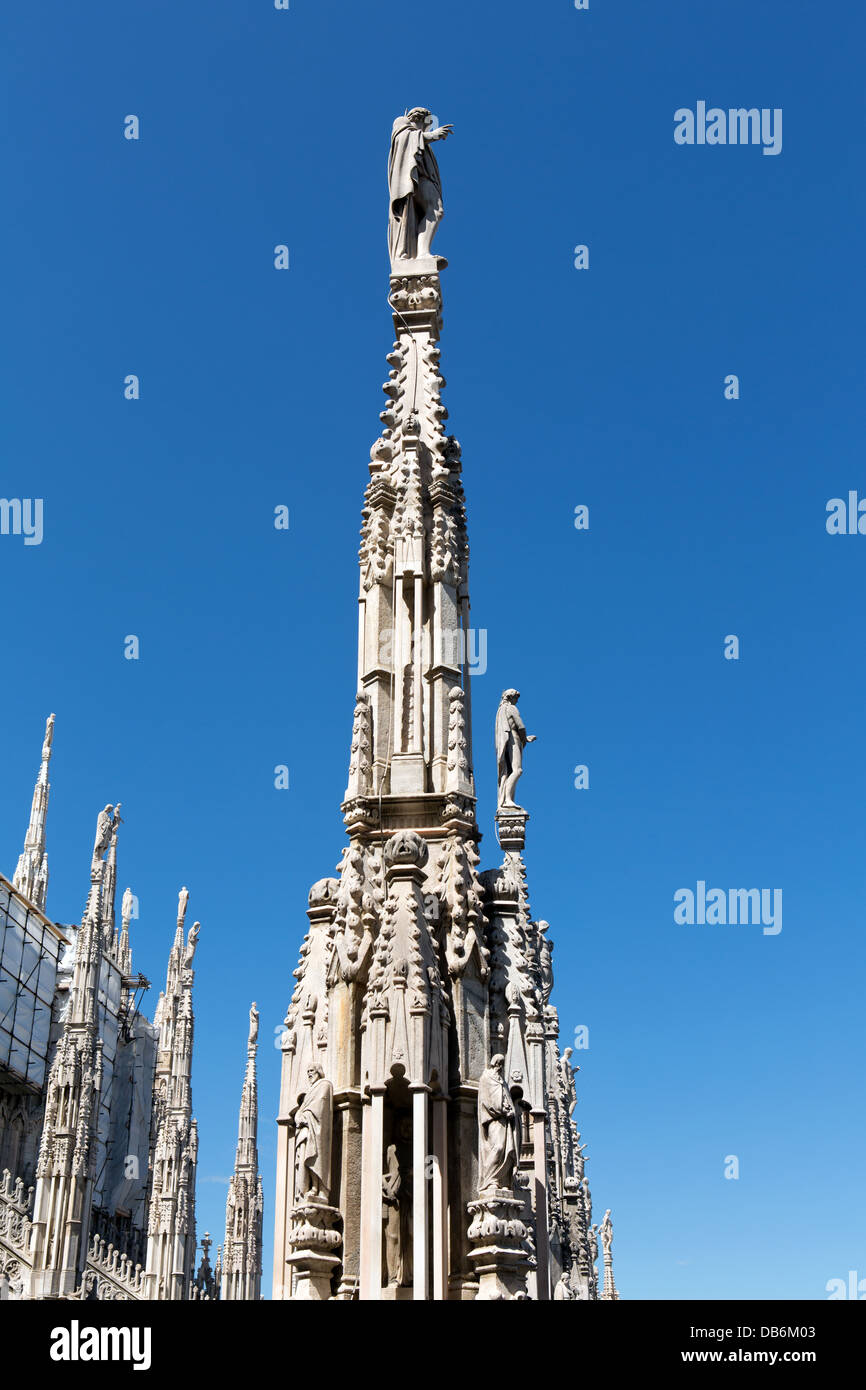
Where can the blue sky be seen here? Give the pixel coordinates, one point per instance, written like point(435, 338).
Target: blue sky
point(602, 387)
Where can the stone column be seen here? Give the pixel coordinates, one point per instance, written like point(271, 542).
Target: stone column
point(349, 1118)
point(281, 1217)
point(419, 1193)
point(371, 1200)
point(439, 1197)
point(462, 1183)
point(542, 1251)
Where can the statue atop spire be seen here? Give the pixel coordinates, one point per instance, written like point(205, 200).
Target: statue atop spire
point(104, 828)
point(511, 739)
point(31, 874)
point(414, 192)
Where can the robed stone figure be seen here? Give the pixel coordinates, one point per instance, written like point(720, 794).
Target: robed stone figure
point(313, 1139)
point(397, 1209)
point(497, 1130)
point(414, 186)
point(511, 739)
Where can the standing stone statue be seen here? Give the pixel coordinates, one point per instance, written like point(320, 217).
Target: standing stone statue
point(397, 1210)
point(497, 1130)
point(606, 1233)
point(191, 943)
point(104, 827)
point(511, 739)
point(254, 1026)
point(414, 186)
point(313, 1139)
point(568, 1073)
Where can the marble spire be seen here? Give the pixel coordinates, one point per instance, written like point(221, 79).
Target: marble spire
point(65, 1170)
point(242, 1252)
point(171, 1243)
point(31, 875)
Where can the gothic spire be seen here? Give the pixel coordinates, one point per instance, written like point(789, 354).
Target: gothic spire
point(414, 591)
point(109, 886)
point(65, 1170)
point(171, 1242)
point(242, 1255)
point(31, 875)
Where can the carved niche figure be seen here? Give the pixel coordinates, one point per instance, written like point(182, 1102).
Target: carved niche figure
point(414, 186)
point(511, 739)
point(397, 1209)
point(497, 1130)
point(313, 1139)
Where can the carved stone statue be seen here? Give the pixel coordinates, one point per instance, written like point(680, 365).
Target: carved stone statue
point(545, 961)
point(511, 739)
point(605, 1230)
point(254, 1026)
point(497, 1130)
point(104, 827)
point(182, 901)
point(191, 943)
point(126, 905)
point(568, 1073)
point(414, 186)
point(397, 1211)
point(313, 1138)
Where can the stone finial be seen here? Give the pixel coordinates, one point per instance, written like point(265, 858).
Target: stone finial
point(459, 778)
point(361, 760)
point(324, 892)
point(31, 873)
point(405, 847)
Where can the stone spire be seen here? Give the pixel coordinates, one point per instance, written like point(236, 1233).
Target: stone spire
point(414, 585)
point(242, 1253)
point(110, 937)
point(609, 1291)
point(31, 875)
point(171, 1240)
point(65, 1169)
point(419, 1034)
point(124, 950)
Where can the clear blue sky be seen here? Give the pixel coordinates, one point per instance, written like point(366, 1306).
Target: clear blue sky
point(602, 387)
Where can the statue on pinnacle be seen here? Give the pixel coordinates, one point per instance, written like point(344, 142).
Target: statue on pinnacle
point(414, 191)
point(511, 739)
